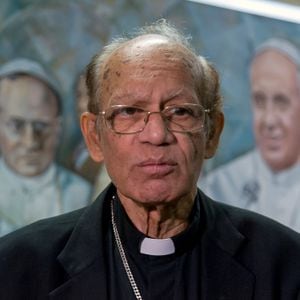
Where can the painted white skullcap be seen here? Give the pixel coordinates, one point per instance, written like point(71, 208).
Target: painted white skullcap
point(283, 46)
point(28, 67)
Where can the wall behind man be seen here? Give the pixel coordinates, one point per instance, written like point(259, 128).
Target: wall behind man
point(65, 34)
point(228, 38)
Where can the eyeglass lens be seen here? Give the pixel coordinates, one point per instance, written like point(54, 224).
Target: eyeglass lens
point(129, 119)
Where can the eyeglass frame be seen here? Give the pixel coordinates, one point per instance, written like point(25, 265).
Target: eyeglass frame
point(147, 116)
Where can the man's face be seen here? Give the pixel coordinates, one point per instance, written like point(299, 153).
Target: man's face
point(155, 165)
point(29, 125)
point(276, 105)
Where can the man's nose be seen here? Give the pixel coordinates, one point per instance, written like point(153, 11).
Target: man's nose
point(271, 115)
point(30, 139)
point(155, 131)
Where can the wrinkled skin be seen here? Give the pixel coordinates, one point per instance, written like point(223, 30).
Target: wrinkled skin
point(155, 171)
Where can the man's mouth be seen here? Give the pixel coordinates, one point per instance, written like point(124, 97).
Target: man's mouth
point(157, 167)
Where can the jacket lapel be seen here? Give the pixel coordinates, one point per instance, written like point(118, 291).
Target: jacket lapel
point(87, 284)
point(83, 256)
point(223, 276)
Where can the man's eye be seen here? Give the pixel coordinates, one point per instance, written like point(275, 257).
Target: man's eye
point(181, 111)
point(40, 127)
point(16, 125)
point(127, 112)
point(281, 101)
point(259, 100)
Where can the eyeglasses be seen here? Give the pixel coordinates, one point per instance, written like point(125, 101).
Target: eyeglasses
point(124, 119)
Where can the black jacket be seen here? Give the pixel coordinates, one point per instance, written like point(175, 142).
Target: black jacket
point(245, 256)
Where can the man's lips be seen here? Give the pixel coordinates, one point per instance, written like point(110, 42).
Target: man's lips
point(31, 157)
point(272, 143)
point(157, 167)
point(272, 138)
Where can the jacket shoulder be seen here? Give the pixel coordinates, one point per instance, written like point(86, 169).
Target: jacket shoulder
point(44, 236)
point(267, 243)
point(254, 225)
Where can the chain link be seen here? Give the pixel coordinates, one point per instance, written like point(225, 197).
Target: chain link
point(122, 253)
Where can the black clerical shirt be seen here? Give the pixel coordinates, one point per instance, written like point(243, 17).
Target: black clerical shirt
point(173, 276)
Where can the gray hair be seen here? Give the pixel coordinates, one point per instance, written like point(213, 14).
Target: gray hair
point(206, 77)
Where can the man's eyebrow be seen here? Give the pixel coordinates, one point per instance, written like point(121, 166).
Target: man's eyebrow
point(128, 99)
point(176, 93)
point(143, 99)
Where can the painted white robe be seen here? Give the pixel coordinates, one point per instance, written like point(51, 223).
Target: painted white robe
point(247, 182)
point(24, 200)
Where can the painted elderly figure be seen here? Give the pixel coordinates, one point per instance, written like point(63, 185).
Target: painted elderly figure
point(81, 161)
point(154, 115)
point(266, 179)
point(32, 185)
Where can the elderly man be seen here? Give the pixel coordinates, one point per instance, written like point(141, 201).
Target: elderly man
point(32, 186)
point(155, 115)
point(266, 179)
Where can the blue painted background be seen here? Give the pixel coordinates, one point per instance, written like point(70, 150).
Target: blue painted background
point(65, 34)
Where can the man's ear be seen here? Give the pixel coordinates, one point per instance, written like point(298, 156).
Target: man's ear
point(88, 124)
point(214, 133)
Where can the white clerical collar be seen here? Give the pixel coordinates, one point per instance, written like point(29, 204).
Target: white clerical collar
point(157, 247)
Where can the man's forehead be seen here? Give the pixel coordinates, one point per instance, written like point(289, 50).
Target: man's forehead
point(17, 95)
point(146, 57)
point(272, 56)
point(12, 83)
point(153, 53)
point(28, 113)
point(146, 46)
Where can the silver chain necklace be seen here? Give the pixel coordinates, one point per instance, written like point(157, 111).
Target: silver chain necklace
point(122, 253)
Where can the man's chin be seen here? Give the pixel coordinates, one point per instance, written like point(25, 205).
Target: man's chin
point(29, 170)
point(277, 162)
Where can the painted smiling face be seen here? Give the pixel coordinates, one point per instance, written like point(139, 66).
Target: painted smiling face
point(276, 105)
